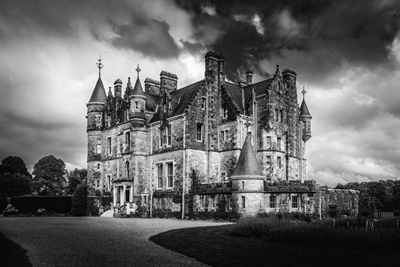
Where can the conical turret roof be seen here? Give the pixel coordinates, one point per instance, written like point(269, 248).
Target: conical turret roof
point(247, 166)
point(99, 94)
point(304, 109)
point(138, 90)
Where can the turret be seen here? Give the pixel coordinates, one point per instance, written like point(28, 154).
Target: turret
point(118, 88)
point(137, 100)
point(305, 118)
point(247, 182)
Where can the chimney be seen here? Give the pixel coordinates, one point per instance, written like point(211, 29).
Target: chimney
point(168, 81)
point(249, 77)
point(241, 82)
point(152, 86)
point(118, 88)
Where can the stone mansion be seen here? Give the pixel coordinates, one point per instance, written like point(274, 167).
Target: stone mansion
point(212, 145)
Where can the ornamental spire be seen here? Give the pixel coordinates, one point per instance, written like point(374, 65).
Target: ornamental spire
point(138, 70)
point(304, 92)
point(99, 65)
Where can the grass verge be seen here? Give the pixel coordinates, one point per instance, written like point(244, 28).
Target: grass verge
point(217, 246)
point(11, 254)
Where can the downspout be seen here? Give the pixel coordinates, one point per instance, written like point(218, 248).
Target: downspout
point(151, 173)
point(184, 167)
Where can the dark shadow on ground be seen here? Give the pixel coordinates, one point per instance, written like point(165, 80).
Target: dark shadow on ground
point(12, 254)
point(216, 246)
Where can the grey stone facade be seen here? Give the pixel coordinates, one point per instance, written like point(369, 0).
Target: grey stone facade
point(168, 146)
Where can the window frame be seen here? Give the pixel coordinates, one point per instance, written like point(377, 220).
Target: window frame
point(159, 175)
point(295, 204)
point(203, 103)
point(272, 202)
point(243, 202)
point(278, 143)
point(199, 133)
point(109, 146)
point(170, 176)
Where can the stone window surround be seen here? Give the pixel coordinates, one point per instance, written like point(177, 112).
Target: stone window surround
point(164, 174)
point(295, 203)
point(165, 136)
point(224, 135)
point(243, 202)
point(127, 139)
point(109, 145)
point(199, 134)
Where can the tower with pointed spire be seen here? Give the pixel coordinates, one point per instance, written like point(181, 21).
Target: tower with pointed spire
point(210, 146)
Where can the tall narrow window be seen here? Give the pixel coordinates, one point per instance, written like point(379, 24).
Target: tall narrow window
point(225, 113)
point(229, 203)
point(268, 161)
point(276, 114)
point(295, 202)
point(272, 201)
point(280, 115)
point(222, 136)
point(109, 182)
point(161, 137)
point(169, 137)
point(243, 202)
point(213, 202)
point(98, 149)
point(165, 135)
point(127, 169)
point(278, 143)
point(127, 140)
point(223, 176)
point(278, 162)
point(109, 145)
point(160, 175)
point(203, 103)
point(170, 171)
point(268, 142)
point(242, 184)
point(199, 132)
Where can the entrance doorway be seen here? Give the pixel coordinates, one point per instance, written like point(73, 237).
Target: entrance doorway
point(127, 191)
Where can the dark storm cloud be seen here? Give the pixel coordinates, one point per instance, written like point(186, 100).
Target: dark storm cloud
point(151, 37)
point(64, 19)
point(354, 31)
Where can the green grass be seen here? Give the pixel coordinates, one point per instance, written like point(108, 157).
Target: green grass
point(217, 246)
point(348, 234)
point(11, 254)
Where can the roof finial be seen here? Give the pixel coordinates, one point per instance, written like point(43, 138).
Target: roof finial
point(99, 65)
point(303, 92)
point(138, 70)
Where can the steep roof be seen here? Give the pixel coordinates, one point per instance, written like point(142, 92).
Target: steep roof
point(182, 96)
point(247, 165)
point(138, 90)
point(152, 101)
point(304, 109)
point(259, 88)
point(235, 92)
point(99, 94)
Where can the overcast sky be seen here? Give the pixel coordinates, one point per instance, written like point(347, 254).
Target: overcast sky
point(346, 54)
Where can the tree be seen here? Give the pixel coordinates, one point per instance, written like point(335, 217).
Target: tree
point(75, 178)
point(49, 176)
point(79, 200)
point(16, 165)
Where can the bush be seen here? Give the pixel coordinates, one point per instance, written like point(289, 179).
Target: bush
point(79, 201)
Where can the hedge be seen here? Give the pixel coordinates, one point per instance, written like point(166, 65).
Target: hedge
point(30, 204)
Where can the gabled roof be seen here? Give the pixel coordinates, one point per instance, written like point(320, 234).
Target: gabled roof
point(259, 88)
point(247, 166)
point(151, 102)
point(304, 109)
point(138, 90)
point(182, 96)
point(235, 92)
point(99, 94)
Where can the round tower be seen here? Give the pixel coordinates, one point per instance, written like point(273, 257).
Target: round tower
point(95, 121)
point(247, 182)
point(305, 119)
point(137, 100)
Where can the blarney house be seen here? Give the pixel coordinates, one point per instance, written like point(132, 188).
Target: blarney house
point(212, 145)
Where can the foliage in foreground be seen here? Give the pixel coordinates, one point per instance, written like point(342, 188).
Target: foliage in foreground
point(347, 234)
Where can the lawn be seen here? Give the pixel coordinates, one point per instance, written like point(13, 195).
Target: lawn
point(11, 254)
point(218, 246)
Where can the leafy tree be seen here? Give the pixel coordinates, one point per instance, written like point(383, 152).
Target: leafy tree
point(49, 176)
point(75, 178)
point(13, 184)
point(16, 165)
point(79, 200)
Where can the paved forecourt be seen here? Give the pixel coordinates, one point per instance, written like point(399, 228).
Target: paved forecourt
point(95, 241)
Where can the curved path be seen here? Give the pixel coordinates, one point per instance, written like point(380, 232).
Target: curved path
point(95, 241)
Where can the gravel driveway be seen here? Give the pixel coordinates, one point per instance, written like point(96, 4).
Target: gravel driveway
point(95, 241)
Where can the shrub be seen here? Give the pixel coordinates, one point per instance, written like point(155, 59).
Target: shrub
point(79, 201)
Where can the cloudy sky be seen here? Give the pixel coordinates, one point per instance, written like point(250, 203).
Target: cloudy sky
point(346, 54)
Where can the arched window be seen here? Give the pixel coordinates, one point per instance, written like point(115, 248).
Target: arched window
point(127, 169)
